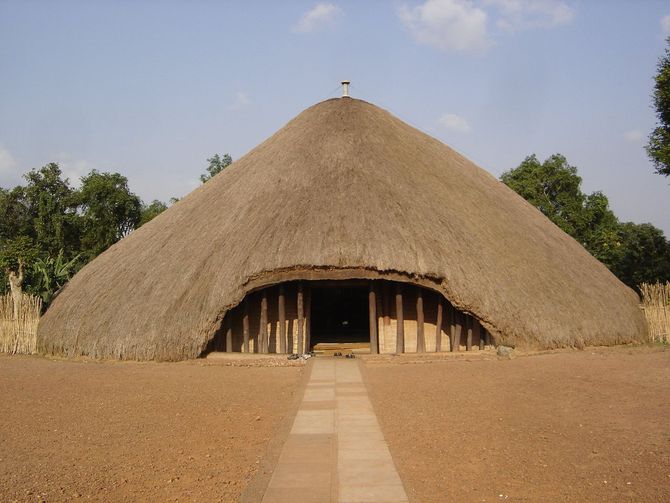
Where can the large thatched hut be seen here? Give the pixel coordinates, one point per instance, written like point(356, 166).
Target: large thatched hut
point(345, 225)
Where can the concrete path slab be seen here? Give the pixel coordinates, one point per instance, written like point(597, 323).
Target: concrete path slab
point(336, 451)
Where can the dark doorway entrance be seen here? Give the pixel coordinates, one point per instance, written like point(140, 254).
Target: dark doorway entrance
point(339, 313)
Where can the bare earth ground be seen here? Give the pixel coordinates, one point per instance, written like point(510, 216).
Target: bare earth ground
point(136, 431)
point(584, 426)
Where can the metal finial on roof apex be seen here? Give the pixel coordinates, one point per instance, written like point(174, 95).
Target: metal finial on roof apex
point(345, 89)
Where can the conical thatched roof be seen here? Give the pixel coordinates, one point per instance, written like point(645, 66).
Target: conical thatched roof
point(343, 190)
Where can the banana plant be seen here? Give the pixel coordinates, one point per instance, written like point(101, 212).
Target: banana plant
point(53, 274)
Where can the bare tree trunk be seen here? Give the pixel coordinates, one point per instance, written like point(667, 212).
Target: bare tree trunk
point(15, 285)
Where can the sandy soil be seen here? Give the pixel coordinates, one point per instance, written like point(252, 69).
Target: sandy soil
point(584, 426)
point(136, 431)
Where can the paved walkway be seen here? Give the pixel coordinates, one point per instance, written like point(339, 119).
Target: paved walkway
point(336, 451)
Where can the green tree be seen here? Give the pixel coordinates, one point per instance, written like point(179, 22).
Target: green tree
point(634, 253)
point(15, 253)
point(216, 165)
point(48, 230)
point(20, 248)
point(554, 187)
point(15, 219)
point(36, 221)
point(599, 232)
point(109, 211)
point(50, 205)
point(151, 211)
point(645, 255)
point(658, 147)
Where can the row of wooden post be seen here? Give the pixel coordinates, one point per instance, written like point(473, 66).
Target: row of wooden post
point(458, 322)
point(303, 306)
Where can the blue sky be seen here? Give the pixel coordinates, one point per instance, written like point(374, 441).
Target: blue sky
point(151, 89)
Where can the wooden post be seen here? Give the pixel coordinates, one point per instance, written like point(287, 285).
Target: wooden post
point(229, 332)
point(400, 320)
point(245, 325)
point(281, 307)
point(451, 323)
point(263, 328)
point(372, 310)
point(381, 328)
point(308, 318)
point(301, 318)
point(420, 337)
point(487, 336)
point(468, 338)
point(458, 328)
point(438, 326)
point(478, 333)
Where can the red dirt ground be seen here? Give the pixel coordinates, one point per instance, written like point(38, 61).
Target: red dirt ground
point(136, 431)
point(567, 426)
point(585, 426)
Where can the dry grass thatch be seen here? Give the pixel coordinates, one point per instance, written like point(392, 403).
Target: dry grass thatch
point(656, 305)
point(343, 190)
point(18, 327)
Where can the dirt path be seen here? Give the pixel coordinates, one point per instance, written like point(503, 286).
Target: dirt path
point(135, 432)
point(574, 426)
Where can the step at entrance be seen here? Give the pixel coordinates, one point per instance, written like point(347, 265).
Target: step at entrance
point(330, 348)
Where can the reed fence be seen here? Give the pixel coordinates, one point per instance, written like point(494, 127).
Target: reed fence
point(656, 305)
point(18, 327)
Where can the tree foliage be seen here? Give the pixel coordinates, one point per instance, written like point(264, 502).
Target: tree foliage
point(554, 187)
point(109, 211)
point(634, 252)
point(51, 208)
point(151, 211)
point(14, 217)
point(13, 251)
point(21, 248)
point(644, 255)
point(658, 147)
point(55, 229)
point(216, 165)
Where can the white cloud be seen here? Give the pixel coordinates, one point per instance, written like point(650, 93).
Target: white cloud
point(321, 15)
point(448, 25)
point(73, 169)
point(7, 163)
point(463, 25)
point(10, 171)
point(665, 25)
point(518, 15)
point(633, 136)
point(453, 122)
point(241, 100)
